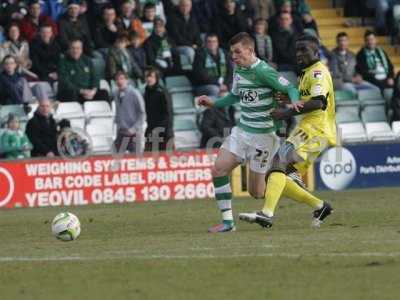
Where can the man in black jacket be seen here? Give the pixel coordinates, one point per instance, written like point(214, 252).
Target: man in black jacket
point(215, 125)
point(184, 30)
point(283, 41)
point(229, 22)
point(211, 68)
point(159, 113)
point(45, 54)
point(42, 131)
point(73, 26)
point(107, 30)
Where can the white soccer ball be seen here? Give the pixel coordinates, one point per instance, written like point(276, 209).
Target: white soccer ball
point(66, 226)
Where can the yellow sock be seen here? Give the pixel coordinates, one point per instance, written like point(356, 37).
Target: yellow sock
point(294, 191)
point(275, 186)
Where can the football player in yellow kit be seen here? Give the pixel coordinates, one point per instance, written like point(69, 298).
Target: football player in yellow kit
point(315, 131)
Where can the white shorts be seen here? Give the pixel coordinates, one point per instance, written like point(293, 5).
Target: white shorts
point(256, 148)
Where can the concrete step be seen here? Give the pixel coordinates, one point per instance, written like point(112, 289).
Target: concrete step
point(329, 32)
point(325, 13)
point(354, 41)
point(316, 4)
point(338, 21)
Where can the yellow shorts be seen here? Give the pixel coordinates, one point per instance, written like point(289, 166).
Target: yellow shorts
point(307, 146)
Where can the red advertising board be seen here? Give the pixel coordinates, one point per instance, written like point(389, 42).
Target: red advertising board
point(106, 179)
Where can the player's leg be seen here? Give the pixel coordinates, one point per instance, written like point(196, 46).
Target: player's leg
point(226, 161)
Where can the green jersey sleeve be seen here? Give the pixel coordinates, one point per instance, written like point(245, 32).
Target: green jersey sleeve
point(277, 82)
point(227, 100)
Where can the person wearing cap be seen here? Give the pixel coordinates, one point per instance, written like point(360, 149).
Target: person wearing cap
point(72, 26)
point(14, 143)
point(31, 23)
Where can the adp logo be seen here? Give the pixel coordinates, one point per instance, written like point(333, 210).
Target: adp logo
point(7, 187)
point(337, 168)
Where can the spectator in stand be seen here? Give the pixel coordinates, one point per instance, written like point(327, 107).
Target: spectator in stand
point(159, 113)
point(263, 9)
point(11, 10)
point(264, 48)
point(130, 116)
point(19, 48)
point(14, 142)
point(229, 22)
point(184, 30)
point(77, 77)
point(53, 8)
point(216, 125)
point(284, 41)
point(42, 130)
point(14, 88)
point(137, 51)
point(107, 30)
point(129, 21)
point(31, 23)
point(211, 69)
point(274, 21)
point(149, 15)
point(373, 64)
point(119, 59)
point(205, 11)
point(302, 10)
point(159, 50)
point(96, 8)
point(380, 7)
point(343, 67)
point(45, 54)
point(73, 27)
point(159, 6)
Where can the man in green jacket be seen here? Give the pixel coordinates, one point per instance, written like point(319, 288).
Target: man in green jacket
point(77, 77)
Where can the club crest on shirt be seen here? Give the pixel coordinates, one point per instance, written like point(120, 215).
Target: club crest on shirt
point(317, 74)
point(282, 80)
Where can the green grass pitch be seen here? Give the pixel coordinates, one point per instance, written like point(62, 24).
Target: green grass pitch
point(162, 251)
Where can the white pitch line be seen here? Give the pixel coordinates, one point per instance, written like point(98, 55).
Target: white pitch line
point(4, 259)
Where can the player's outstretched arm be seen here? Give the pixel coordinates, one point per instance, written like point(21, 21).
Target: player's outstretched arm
point(277, 82)
point(299, 108)
point(227, 100)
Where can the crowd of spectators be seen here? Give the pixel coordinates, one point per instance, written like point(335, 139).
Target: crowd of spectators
point(141, 42)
